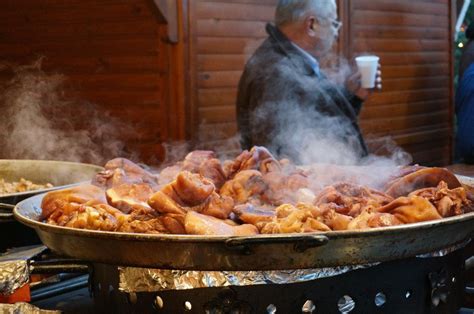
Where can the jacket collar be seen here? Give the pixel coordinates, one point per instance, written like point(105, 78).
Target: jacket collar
point(297, 58)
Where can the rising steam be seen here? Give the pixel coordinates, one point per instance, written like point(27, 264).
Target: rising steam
point(311, 136)
point(39, 122)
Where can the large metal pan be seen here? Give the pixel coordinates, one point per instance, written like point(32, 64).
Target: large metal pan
point(59, 173)
point(262, 252)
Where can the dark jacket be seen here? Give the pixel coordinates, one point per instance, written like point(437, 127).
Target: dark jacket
point(465, 117)
point(467, 58)
point(282, 102)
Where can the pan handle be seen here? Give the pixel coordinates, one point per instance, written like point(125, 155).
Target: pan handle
point(300, 242)
point(8, 215)
point(7, 206)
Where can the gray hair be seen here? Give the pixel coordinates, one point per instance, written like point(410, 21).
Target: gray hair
point(289, 11)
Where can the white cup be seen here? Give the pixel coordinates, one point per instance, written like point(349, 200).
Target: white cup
point(368, 68)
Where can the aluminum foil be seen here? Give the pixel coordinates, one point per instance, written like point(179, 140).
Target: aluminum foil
point(14, 270)
point(445, 251)
point(23, 308)
point(134, 279)
point(13, 275)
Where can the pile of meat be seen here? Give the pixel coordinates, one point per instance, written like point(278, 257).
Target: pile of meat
point(22, 185)
point(255, 193)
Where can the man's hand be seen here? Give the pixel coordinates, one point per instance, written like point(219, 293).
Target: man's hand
point(353, 84)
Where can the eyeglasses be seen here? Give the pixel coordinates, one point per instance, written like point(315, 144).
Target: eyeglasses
point(336, 24)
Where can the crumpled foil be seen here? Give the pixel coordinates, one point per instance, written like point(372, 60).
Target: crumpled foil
point(23, 308)
point(134, 279)
point(13, 275)
point(445, 251)
point(14, 270)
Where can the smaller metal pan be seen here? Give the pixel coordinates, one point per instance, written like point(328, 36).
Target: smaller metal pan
point(61, 174)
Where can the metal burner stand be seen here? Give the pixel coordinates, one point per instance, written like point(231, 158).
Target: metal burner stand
point(414, 285)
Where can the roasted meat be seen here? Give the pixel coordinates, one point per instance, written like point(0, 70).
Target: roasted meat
point(258, 158)
point(448, 202)
point(411, 209)
point(351, 199)
point(193, 161)
point(66, 200)
point(254, 214)
point(120, 170)
point(212, 170)
point(371, 219)
point(130, 197)
point(283, 187)
point(196, 223)
point(422, 178)
point(295, 219)
point(191, 192)
point(245, 185)
point(254, 193)
point(201, 162)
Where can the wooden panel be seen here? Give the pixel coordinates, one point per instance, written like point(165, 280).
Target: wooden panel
point(217, 97)
point(403, 109)
point(412, 38)
point(241, 45)
point(414, 58)
point(223, 28)
point(112, 54)
point(387, 125)
point(252, 11)
point(225, 34)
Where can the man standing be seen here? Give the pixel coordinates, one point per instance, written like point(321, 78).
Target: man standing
point(284, 98)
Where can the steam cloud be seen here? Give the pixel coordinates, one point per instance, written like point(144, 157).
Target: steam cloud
point(321, 141)
point(39, 122)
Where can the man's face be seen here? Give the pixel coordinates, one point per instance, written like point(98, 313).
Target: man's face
point(326, 29)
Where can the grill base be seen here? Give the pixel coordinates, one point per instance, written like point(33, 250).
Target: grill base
point(416, 285)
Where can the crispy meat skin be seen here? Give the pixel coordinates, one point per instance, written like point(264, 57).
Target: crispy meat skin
point(120, 170)
point(283, 187)
point(130, 197)
point(368, 219)
point(191, 192)
point(411, 209)
point(212, 170)
point(351, 199)
point(258, 158)
point(448, 202)
point(66, 199)
point(192, 162)
point(245, 185)
point(253, 214)
point(422, 178)
point(196, 223)
point(295, 219)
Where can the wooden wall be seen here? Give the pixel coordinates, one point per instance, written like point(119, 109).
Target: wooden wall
point(412, 38)
point(225, 34)
point(114, 54)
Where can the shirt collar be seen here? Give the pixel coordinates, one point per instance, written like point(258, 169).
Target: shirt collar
point(314, 62)
point(284, 45)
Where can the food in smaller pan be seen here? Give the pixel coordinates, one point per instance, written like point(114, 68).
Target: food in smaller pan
point(254, 193)
point(22, 185)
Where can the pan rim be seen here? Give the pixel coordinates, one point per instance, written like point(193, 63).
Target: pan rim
point(218, 238)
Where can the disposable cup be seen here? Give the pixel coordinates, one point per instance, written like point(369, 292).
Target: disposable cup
point(368, 68)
